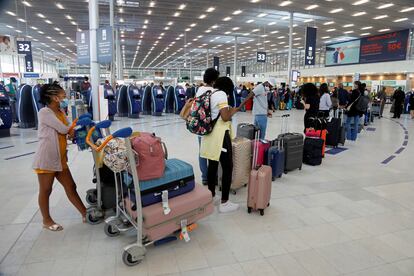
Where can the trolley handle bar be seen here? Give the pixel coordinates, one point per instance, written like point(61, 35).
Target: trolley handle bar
point(86, 115)
point(104, 124)
point(84, 122)
point(121, 133)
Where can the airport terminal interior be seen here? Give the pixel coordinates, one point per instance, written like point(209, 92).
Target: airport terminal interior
point(245, 137)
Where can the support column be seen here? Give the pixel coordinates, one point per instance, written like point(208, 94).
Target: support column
point(42, 61)
point(290, 48)
point(191, 69)
point(111, 23)
point(119, 66)
point(94, 65)
point(235, 61)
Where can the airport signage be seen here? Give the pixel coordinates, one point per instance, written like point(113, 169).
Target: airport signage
point(216, 63)
point(310, 46)
point(384, 47)
point(105, 45)
point(82, 47)
point(24, 47)
point(28, 60)
point(261, 57)
point(31, 75)
point(227, 71)
point(243, 71)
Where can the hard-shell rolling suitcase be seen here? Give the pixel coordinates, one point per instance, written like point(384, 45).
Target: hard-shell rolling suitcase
point(334, 129)
point(276, 159)
point(312, 151)
point(246, 130)
point(318, 134)
point(292, 143)
point(185, 209)
point(260, 187)
point(262, 148)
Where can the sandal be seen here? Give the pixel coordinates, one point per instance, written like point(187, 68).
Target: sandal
point(53, 227)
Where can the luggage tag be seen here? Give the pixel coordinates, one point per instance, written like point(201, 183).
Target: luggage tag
point(165, 206)
point(184, 231)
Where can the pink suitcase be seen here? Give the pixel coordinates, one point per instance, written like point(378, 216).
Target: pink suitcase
point(260, 185)
point(262, 146)
point(191, 206)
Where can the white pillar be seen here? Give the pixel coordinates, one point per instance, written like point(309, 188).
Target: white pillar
point(95, 74)
point(119, 66)
point(235, 61)
point(111, 23)
point(42, 61)
point(18, 64)
point(290, 48)
point(191, 69)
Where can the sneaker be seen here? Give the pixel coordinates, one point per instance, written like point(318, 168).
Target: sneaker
point(15, 125)
point(228, 207)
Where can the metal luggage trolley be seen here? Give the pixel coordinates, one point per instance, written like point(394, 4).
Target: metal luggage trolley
point(124, 220)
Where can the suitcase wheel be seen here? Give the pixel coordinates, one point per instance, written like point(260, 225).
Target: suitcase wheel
point(233, 192)
point(261, 212)
point(249, 210)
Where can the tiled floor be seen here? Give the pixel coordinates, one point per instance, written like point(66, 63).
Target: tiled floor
point(350, 216)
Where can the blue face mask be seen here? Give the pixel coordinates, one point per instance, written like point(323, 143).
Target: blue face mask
point(64, 104)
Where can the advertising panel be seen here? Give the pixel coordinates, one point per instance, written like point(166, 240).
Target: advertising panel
point(105, 45)
point(343, 53)
point(384, 47)
point(82, 47)
point(7, 45)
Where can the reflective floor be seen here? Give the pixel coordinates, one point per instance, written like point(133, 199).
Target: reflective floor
point(353, 215)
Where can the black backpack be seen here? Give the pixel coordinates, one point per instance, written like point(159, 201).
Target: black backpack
point(362, 104)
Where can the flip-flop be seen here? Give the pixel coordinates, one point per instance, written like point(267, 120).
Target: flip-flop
point(53, 227)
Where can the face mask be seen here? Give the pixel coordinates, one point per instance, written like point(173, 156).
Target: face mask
point(64, 104)
point(267, 88)
point(366, 93)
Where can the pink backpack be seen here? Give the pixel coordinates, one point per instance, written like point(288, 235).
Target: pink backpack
point(152, 153)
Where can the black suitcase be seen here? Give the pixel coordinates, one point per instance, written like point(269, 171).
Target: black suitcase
point(333, 132)
point(312, 151)
point(246, 130)
point(292, 143)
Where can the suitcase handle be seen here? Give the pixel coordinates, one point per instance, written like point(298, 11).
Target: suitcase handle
point(256, 149)
point(285, 124)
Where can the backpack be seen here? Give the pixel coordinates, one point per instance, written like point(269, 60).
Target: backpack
point(199, 120)
point(362, 104)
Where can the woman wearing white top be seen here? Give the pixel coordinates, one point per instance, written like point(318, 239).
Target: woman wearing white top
point(325, 102)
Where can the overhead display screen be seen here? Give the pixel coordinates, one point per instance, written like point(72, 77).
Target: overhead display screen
point(342, 53)
point(385, 47)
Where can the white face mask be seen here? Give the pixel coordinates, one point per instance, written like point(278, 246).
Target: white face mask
point(366, 93)
point(267, 88)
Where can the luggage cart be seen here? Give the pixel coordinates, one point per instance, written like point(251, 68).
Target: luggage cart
point(129, 213)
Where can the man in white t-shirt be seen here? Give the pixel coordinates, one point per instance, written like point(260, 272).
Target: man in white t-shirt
point(260, 105)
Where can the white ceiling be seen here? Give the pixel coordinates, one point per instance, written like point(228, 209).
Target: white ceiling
point(149, 40)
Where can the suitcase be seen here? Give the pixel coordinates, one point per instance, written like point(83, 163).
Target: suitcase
point(262, 147)
point(246, 130)
point(333, 132)
point(260, 186)
point(276, 159)
point(292, 143)
point(178, 179)
point(186, 209)
point(318, 134)
point(312, 151)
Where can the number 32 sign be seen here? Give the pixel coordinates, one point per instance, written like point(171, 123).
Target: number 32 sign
point(261, 57)
point(24, 47)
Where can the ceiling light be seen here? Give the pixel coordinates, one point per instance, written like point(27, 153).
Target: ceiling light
point(236, 12)
point(285, 3)
point(227, 32)
point(11, 13)
point(56, 29)
point(121, 10)
point(401, 19)
point(308, 20)
point(326, 37)
point(380, 17)
point(152, 4)
point(21, 20)
point(193, 25)
point(228, 18)
point(366, 28)
point(73, 23)
point(365, 34)
point(33, 27)
point(202, 16)
point(62, 33)
point(149, 12)
point(336, 10)
point(348, 25)
point(262, 14)
point(407, 9)
point(236, 28)
point(360, 2)
point(40, 32)
point(18, 31)
point(254, 1)
point(68, 17)
point(211, 9)
point(188, 29)
point(48, 21)
point(255, 30)
point(8, 26)
point(274, 32)
point(176, 14)
point(285, 17)
point(385, 6)
point(182, 6)
point(330, 30)
point(60, 6)
point(170, 23)
point(348, 32)
point(208, 31)
point(311, 7)
point(26, 3)
point(359, 13)
point(328, 23)
point(383, 30)
point(250, 21)
point(272, 23)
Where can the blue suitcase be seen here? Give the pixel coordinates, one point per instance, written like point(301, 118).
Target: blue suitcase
point(276, 160)
point(178, 179)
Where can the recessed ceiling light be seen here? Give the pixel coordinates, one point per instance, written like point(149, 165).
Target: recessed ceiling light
point(33, 27)
point(228, 18)
point(40, 32)
point(348, 32)
point(48, 21)
point(170, 23)
point(236, 28)
point(326, 37)
point(18, 31)
point(308, 20)
point(11, 13)
point(359, 13)
point(193, 25)
point(211, 9)
point(26, 3)
point(202, 16)
point(68, 17)
point(285, 3)
point(311, 7)
point(330, 30)
point(208, 31)
point(214, 26)
point(297, 38)
point(383, 30)
point(348, 25)
point(176, 14)
point(21, 20)
point(365, 34)
point(401, 19)
point(227, 33)
point(336, 10)
point(255, 30)
point(274, 32)
point(254, 1)
point(262, 14)
point(60, 6)
point(360, 2)
point(121, 10)
point(236, 12)
point(380, 17)
point(366, 28)
point(407, 9)
point(385, 6)
point(152, 4)
point(62, 33)
point(182, 6)
point(8, 26)
point(272, 23)
point(250, 21)
point(149, 12)
point(281, 37)
point(328, 23)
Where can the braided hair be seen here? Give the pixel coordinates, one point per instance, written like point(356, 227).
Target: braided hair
point(47, 91)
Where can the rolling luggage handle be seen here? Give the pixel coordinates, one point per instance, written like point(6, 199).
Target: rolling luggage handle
point(256, 150)
point(285, 124)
